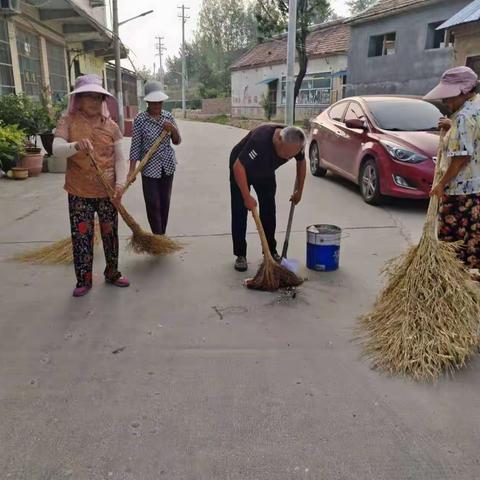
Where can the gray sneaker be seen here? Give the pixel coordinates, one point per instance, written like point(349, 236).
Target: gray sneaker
point(241, 264)
point(277, 257)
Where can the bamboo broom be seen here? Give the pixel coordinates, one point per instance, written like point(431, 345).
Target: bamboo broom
point(271, 276)
point(60, 252)
point(426, 320)
point(140, 241)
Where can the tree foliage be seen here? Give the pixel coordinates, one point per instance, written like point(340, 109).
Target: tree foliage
point(272, 19)
point(358, 6)
point(225, 29)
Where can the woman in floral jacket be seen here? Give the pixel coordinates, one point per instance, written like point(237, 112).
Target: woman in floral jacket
point(459, 188)
point(87, 128)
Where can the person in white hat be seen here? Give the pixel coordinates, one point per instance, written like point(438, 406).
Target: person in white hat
point(88, 128)
point(157, 176)
point(459, 187)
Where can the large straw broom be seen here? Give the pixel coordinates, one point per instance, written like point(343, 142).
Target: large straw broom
point(140, 241)
point(426, 320)
point(271, 276)
point(60, 252)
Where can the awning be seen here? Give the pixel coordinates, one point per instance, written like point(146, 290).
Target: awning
point(78, 26)
point(471, 13)
point(267, 80)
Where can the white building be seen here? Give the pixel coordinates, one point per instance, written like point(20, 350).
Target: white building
point(49, 43)
point(262, 72)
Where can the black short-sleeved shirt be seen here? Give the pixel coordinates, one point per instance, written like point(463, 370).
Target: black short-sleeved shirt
point(257, 153)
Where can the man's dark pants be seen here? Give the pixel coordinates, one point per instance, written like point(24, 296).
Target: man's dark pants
point(265, 189)
point(157, 193)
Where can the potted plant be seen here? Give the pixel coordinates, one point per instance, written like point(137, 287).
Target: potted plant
point(28, 115)
point(12, 140)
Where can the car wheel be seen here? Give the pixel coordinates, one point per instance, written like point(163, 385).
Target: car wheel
point(370, 183)
point(314, 155)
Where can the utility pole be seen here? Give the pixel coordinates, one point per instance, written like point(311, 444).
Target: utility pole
point(161, 48)
point(118, 67)
point(290, 84)
point(184, 58)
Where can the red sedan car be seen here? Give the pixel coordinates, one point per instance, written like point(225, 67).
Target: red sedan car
point(385, 144)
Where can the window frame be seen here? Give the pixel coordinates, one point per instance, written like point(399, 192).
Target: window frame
point(383, 37)
point(37, 83)
point(431, 32)
point(323, 91)
point(5, 89)
point(51, 43)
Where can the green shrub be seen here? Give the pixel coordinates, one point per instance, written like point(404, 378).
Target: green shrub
point(12, 141)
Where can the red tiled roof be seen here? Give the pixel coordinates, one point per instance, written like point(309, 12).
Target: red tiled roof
point(322, 41)
point(386, 7)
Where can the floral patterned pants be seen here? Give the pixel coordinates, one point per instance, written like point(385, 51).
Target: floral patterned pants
point(459, 220)
point(82, 214)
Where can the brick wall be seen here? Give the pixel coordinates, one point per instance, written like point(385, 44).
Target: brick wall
point(217, 106)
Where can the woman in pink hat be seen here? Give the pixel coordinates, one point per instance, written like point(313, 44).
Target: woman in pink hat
point(459, 188)
point(88, 128)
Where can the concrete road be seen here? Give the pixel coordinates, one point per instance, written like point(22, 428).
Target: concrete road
point(187, 375)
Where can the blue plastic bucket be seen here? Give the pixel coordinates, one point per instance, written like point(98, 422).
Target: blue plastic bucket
point(323, 247)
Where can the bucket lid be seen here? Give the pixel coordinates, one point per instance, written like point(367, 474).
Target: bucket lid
point(324, 229)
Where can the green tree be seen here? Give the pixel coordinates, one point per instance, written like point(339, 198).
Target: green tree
point(358, 6)
point(272, 19)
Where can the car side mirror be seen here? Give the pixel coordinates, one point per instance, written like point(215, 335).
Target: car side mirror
point(356, 123)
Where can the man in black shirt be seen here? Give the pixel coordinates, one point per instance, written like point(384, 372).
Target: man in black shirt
point(253, 162)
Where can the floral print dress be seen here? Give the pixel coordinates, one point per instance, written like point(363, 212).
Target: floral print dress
point(459, 214)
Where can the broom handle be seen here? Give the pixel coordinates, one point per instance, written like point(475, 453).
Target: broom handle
point(121, 209)
point(289, 229)
point(145, 159)
point(263, 238)
point(431, 221)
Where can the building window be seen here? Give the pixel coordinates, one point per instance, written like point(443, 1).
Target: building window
point(30, 66)
point(57, 71)
point(381, 45)
point(435, 38)
point(7, 84)
point(316, 89)
point(474, 63)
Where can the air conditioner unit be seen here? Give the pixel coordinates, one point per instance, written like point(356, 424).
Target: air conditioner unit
point(10, 7)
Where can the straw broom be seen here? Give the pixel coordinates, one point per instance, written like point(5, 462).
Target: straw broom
point(57, 253)
point(271, 276)
point(426, 320)
point(60, 252)
point(140, 241)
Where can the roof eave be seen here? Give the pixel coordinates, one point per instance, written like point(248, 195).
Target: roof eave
point(388, 13)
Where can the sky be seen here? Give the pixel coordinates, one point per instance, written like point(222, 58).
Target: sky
point(139, 35)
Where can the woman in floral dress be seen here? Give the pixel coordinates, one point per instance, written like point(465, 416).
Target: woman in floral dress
point(459, 188)
point(88, 128)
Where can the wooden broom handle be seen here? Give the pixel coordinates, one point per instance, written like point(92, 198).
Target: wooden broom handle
point(431, 221)
point(108, 187)
point(263, 238)
point(145, 159)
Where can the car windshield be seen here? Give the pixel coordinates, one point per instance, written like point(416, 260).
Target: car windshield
point(404, 115)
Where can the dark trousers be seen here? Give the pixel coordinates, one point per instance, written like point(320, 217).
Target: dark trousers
point(157, 193)
point(265, 190)
point(82, 213)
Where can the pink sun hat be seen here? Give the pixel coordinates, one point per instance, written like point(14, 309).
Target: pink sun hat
point(454, 82)
point(92, 83)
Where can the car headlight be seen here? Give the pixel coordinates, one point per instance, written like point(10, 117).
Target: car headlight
point(402, 154)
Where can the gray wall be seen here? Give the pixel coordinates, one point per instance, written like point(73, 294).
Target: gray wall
point(412, 70)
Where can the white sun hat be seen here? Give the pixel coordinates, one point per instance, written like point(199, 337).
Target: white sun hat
point(154, 93)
